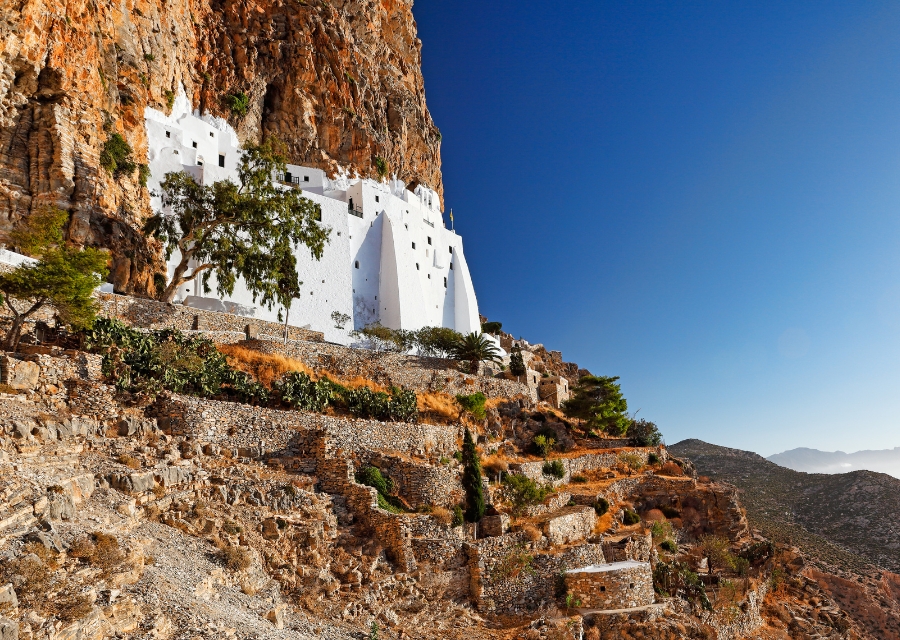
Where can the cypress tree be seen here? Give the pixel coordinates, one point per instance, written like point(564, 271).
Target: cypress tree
point(516, 363)
point(472, 480)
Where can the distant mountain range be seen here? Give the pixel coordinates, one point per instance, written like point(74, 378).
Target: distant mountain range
point(846, 520)
point(815, 461)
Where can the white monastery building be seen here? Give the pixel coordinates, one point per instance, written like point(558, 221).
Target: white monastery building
point(389, 258)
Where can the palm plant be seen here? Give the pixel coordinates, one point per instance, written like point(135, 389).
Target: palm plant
point(475, 348)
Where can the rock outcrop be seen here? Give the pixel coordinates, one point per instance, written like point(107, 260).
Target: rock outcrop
point(339, 83)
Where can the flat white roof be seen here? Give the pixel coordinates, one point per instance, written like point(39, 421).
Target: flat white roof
point(612, 566)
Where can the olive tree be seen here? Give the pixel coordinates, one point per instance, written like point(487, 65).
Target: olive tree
point(248, 230)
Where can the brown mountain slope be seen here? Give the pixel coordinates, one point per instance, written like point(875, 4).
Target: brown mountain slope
point(844, 520)
point(339, 82)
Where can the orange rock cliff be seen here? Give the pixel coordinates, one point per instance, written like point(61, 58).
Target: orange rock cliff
point(339, 82)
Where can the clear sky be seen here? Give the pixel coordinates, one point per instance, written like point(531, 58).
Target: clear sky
point(701, 198)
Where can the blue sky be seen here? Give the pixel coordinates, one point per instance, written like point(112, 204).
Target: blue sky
point(700, 198)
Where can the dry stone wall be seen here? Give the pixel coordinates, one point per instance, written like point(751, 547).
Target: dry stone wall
point(387, 368)
point(620, 585)
point(419, 483)
point(580, 464)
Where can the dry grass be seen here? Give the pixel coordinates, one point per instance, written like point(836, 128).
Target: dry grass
point(71, 607)
point(236, 558)
point(442, 515)
point(495, 464)
point(264, 367)
point(100, 550)
point(532, 532)
point(441, 406)
point(129, 461)
point(5, 388)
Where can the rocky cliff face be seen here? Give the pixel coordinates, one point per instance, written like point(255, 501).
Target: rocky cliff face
point(339, 82)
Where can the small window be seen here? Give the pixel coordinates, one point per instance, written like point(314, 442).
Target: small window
point(429, 239)
point(356, 264)
point(417, 266)
point(221, 160)
point(175, 151)
point(631, 586)
point(168, 134)
point(199, 163)
point(602, 589)
point(194, 144)
point(305, 178)
point(450, 249)
point(451, 266)
point(445, 283)
point(376, 297)
point(376, 199)
point(212, 135)
point(414, 245)
point(429, 276)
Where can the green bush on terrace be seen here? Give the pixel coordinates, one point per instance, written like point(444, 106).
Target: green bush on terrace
point(169, 360)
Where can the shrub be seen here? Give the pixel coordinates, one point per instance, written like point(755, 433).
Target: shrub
point(129, 461)
point(671, 469)
point(458, 516)
point(522, 492)
point(554, 468)
point(473, 403)
point(381, 167)
point(579, 479)
point(644, 433)
point(669, 545)
point(442, 515)
point(601, 506)
point(239, 103)
point(236, 558)
point(73, 606)
point(544, 442)
point(116, 156)
point(143, 174)
point(630, 517)
point(400, 406)
point(436, 341)
point(717, 551)
point(532, 533)
point(492, 327)
point(652, 458)
point(660, 531)
point(170, 98)
point(301, 392)
point(168, 360)
point(517, 363)
point(632, 460)
point(670, 512)
point(149, 57)
point(676, 579)
point(372, 477)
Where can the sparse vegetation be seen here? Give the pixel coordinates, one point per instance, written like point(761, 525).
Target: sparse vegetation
point(236, 558)
point(631, 460)
point(473, 404)
point(630, 517)
point(522, 492)
point(554, 469)
point(169, 95)
point(239, 104)
point(381, 167)
point(544, 442)
point(116, 156)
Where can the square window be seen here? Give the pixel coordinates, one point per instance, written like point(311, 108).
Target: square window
point(305, 178)
point(212, 135)
point(194, 144)
point(221, 160)
point(168, 134)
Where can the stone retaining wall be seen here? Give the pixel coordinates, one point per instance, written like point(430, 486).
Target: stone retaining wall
point(419, 483)
point(387, 368)
point(511, 575)
point(621, 585)
point(575, 466)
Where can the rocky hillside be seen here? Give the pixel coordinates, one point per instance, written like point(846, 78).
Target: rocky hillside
point(339, 82)
point(844, 524)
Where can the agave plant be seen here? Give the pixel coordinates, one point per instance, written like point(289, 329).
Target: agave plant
point(475, 348)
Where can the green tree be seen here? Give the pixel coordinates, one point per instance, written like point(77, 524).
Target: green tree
point(472, 480)
point(116, 156)
point(473, 404)
point(644, 433)
point(717, 551)
point(517, 363)
point(599, 401)
point(436, 341)
point(247, 230)
point(492, 327)
point(64, 277)
point(475, 348)
point(522, 492)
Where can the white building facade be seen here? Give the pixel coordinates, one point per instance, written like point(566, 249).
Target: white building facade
point(389, 259)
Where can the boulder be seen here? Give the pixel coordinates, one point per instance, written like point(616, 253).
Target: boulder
point(132, 482)
point(19, 374)
point(9, 630)
point(8, 597)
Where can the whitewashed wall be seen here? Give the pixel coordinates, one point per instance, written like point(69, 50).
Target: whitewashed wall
point(397, 264)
